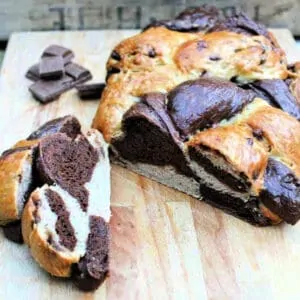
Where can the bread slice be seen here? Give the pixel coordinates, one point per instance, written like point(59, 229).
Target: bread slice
point(65, 222)
point(17, 173)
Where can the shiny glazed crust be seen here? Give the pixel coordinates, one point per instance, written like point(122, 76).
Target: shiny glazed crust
point(280, 139)
point(156, 79)
point(159, 59)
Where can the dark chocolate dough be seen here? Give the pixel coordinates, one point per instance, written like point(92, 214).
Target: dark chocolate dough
point(277, 93)
point(282, 191)
point(191, 19)
point(63, 225)
point(240, 23)
point(92, 269)
point(68, 163)
point(239, 184)
point(201, 103)
point(68, 125)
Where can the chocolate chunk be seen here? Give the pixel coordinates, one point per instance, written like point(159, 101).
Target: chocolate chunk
point(278, 94)
point(67, 124)
point(111, 71)
point(51, 67)
point(47, 91)
point(203, 102)
point(282, 191)
point(201, 45)
point(115, 55)
point(90, 91)
point(191, 20)
point(258, 134)
point(240, 23)
point(33, 73)
point(92, 269)
point(56, 50)
point(78, 73)
point(215, 57)
point(152, 53)
point(13, 232)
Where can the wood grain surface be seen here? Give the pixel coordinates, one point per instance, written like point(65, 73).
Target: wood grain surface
point(165, 245)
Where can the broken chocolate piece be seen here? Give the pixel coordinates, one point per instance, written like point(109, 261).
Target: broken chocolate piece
point(90, 91)
point(56, 50)
point(249, 211)
point(47, 91)
point(51, 67)
point(33, 73)
point(79, 73)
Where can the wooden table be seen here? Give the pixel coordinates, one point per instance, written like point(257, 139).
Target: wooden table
point(165, 245)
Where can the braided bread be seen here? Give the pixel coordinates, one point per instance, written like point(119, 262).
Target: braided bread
point(210, 108)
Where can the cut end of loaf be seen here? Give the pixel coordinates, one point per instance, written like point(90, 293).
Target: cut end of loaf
point(69, 239)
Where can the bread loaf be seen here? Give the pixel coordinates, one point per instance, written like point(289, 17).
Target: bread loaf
point(209, 106)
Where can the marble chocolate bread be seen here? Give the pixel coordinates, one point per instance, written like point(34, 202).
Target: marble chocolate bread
point(64, 209)
point(65, 222)
point(17, 173)
point(208, 105)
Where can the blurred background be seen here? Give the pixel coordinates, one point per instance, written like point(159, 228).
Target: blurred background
point(37, 15)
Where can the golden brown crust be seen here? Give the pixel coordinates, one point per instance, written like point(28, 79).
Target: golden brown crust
point(229, 54)
point(159, 59)
point(236, 140)
point(11, 168)
point(236, 144)
point(26, 143)
point(51, 259)
point(282, 132)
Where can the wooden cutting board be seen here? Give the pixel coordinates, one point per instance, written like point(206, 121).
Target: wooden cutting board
point(165, 245)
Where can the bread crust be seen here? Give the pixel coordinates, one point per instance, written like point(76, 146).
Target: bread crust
point(11, 168)
point(280, 138)
point(159, 59)
point(46, 255)
point(244, 144)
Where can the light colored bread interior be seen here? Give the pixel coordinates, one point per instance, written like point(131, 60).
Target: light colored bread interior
point(167, 175)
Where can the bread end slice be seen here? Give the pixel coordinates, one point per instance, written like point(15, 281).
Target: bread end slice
point(66, 238)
